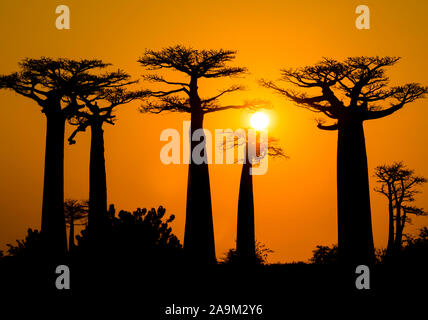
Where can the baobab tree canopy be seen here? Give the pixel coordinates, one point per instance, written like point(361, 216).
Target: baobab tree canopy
point(356, 87)
point(99, 96)
point(44, 78)
point(196, 64)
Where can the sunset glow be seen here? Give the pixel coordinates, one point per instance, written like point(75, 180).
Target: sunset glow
point(259, 121)
point(296, 201)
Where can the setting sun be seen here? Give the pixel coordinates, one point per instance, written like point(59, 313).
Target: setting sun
point(259, 121)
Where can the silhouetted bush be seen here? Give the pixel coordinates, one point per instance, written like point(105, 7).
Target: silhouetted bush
point(324, 255)
point(262, 252)
point(29, 247)
point(142, 234)
point(415, 250)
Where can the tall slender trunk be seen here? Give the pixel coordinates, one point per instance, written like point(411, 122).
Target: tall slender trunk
point(199, 231)
point(355, 239)
point(400, 221)
point(245, 239)
point(391, 232)
point(71, 235)
point(97, 217)
point(53, 228)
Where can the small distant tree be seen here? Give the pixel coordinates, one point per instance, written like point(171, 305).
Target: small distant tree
point(399, 185)
point(76, 213)
point(184, 97)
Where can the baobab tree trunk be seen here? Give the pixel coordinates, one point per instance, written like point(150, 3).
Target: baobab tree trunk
point(400, 220)
point(199, 231)
point(53, 228)
point(355, 241)
point(71, 235)
point(245, 239)
point(390, 245)
point(97, 216)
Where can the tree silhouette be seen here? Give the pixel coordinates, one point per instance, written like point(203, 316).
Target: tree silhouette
point(99, 99)
point(76, 213)
point(195, 64)
point(398, 184)
point(30, 247)
point(245, 252)
point(49, 82)
point(351, 92)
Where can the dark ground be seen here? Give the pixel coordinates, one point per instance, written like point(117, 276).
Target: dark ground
point(134, 288)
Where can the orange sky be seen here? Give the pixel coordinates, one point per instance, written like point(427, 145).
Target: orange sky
point(296, 200)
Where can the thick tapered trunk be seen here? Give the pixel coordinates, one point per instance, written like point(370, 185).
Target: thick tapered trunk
point(245, 239)
point(355, 238)
point(199, 231)
point(97, 217)
point(53, 228)
point(71, 236)
point(399, 231)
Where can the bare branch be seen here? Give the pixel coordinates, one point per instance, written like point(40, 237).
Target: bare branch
point(301, 99)
point(166, 93)
point(168, 103)
point(157, 78)
point(320, 125)
point(80, 128)
point(229, 90)
point(252, 105)
point(404, 94)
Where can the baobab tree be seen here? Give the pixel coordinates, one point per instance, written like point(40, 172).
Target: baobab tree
point(255, 149)
point(351, 92)
point(76, 213)
point(399, 185)
point(49, 82)
point(184, 97)
point(99, 99)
